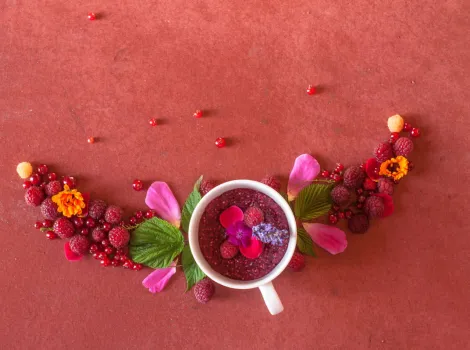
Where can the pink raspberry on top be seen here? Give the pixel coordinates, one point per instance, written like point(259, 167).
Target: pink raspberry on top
point(228, 250)
point(253, 216)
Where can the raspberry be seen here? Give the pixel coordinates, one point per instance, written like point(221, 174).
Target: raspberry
point(374, 206)
point(385, 186)
point(49, 209)
point(119, 237)
point(272, 182)
point(340, 195)
point(253, 216)
point(383, 152)
point(63, 228)
point(98, 234)
point(53, 188)
point(113, 214)
point(353, 177)
point(79, 244)
point(359, 223)
point(228, 250)
point(206, 186)
point(204, 290)
point(369, 184)
point(97, 208)
point(34, 196)
point(297, 262)
point(403, 147)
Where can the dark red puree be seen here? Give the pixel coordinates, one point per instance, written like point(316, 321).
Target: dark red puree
point(212, 235)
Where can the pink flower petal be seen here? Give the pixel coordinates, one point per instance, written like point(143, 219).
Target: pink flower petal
point(158, 279)
point(230, 216)
point(330, 238)
point(305, 170)
point(372, 169)
point(163, 202)
point(388, 204)
point(69, 255)
point(254, 250)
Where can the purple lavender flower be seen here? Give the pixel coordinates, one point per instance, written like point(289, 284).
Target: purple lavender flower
point(267, 233)
point(239, 234)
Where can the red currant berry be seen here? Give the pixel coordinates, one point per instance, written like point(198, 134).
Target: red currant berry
point(220, 142)
point(359, 205)
point(153, 122)
point(333, 219)
point(42, 169)
point(122, 252)
point(325, 173)
point(47, 223)
point(35, 179)
point(128, 264)
point(137, 267)
point(90, 222)
point(336, 207)
point(52, 176)
point(133, 220)
point(362, 166)
point(348, 214)
point(109, 250)
point(78, 222)
point(91, 16)
point(123, 258)
point(139, 214)
point(407, 127)
point(149, 214)
point(339, 167)
point(394, 136)
point(105, 243)
point(105, 262)
point(361, 199)
point(415, 132)
point(84, 231)
point(27, 184)
point(90, 140)
point(337, 177)
point(69, 181)
point(96, 255)
point(115, 263)
point(341, 215)
point(51, 235)
point(102, 255)
point(107, 226)
point(137, 185)
point(38, 225)
point(359, 191)
point(94, 248)
point(197, 114)
point(311, 90)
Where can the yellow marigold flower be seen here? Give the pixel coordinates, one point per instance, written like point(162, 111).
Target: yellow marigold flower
point(395, 168)
point(69, 202)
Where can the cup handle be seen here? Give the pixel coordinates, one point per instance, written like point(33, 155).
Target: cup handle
point(271, 298)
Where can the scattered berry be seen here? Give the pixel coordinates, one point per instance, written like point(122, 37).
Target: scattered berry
point(340, 195)
point(354, 177)
point(348, 214)
point(98, 234)
point(383, 152)
point(358, 223)
point(325, 173)
point(361, 199)
point(113, 214)
point(52, 188)
point(118, 237)
point(137, 267)
point(139, 214)
point(79, 244)
point(204, 290)
point(197, 114)
point(369, 184)
point(311, 90)
point(341, 215)
point(253, 216)
point(78, 222)
point(220, 142)
point(90, 140)
point(108, 250)
point(97, 208)
point(407, 127)
point(24, 170)
point(374, 206)
point(336, 177)
point(333, 219)
point(27, 184)
point(297, 263)
point(51, 235)
point(69, 181)
point(94, 248)
point(133, 220)
point(34, 196)
point(105, 243)
point(228, 250)
point(84, 231)
point(149, 214)
point(394, 136)
point(63, 228)
point(153, 122)
point(35, 179)
point(359, 191)
point(206, 186)
point(415, 132)
point(403, 147)
point(137, 185)
point(336, 207)
point(90, 222)
point(91, 16)
point(385, 186)
point(339, 167)
point(115, 263)
point(105, 262)
point(272, 182)
point(47, 223)
point(49, 209)
point(42, 169)
point(52, 176)
point(395, 123)
point(38, 225)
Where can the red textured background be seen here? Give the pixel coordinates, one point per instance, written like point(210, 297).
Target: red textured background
point(403, 285)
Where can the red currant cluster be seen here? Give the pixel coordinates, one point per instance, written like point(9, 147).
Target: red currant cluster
point(414, 132)
point(107, 255)
point(336, 175)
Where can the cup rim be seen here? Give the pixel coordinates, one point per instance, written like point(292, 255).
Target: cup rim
point(194, 231)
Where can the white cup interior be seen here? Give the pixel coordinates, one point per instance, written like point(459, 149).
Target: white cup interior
point(193, 233)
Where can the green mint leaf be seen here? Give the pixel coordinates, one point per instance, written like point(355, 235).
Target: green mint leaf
point(313, 201)
point(304, 242)
point(155, 243)
point(191, 270)
point(191, 202)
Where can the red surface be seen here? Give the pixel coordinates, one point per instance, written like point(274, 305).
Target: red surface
point(63, 78)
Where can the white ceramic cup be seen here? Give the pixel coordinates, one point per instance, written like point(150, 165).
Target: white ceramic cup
point(264, 284)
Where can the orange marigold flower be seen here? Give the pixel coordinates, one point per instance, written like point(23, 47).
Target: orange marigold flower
point(395, 168)
point(69, 202)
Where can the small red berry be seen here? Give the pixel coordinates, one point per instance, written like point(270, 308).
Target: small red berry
point(153, 122)
point(348, 214)
point(361, 199)
point(107, 226)
point(414, 132)
point(84, 231)
point(109, 250)
point(407, 127)
point(51, 235)
point(394, 136)
point(220, 142)
point(115, 263)
point(360, 191)
point(90, 222)
point(27, 184)
point(137, 185)
point(105, 261)
point(339, 167)
point(47, 223)
point(38, 225)
point(341, 215)
point(311, 90)
point(337, 177)
point(133, 220)
point(69, 181)
point(149, 214)
point(139, 214)
point(94, 248)
point(336, 207)
point(35, 179)
point(137, 267)
point(333, 219)
point(52, 176)
point(91, 16)
point(42, 169)
point(91, 140)
point(78, 222)
point(325, 173)
point(105, 243)
point(197, 114)
point(359, 205)
point(128, 264)
point(102, 255)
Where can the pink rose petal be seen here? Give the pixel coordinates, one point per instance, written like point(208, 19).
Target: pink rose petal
point(254, 250)
point(69, 255)
point(158, 279)
point(371, 165)
point(388, 204)
point(160, 198)
point(230, 216)
point(330, 238)
point(305, 170)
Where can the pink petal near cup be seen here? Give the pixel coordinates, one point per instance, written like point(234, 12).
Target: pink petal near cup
point(330, 238)
point(305, 170)
point(160, 198)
